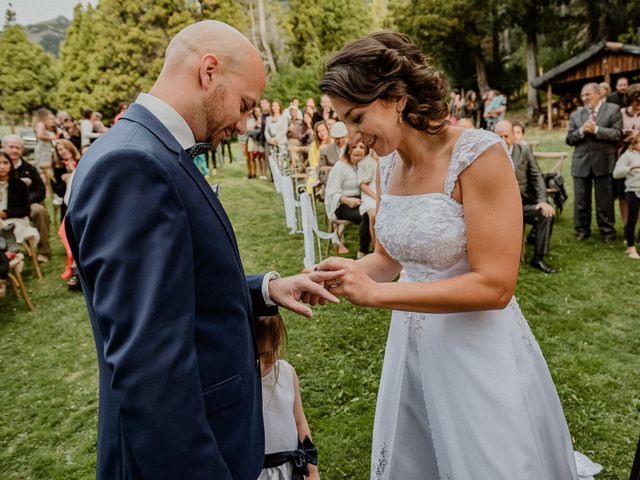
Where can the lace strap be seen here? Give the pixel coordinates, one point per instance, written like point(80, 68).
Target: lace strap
point(386, 164)
point(471, 144)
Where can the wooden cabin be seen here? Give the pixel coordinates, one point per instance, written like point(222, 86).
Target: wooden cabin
point(604, 61)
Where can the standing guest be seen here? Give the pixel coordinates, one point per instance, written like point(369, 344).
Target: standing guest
point(286, 429)
point(121, 109)
point(65, 160)
point(243, 140)
point(13, 145)
point(455, 107)
point(73, 132)
point(631, 114)
point(533, 192)
point(630, 125)
point(295, 135)
point(628, 168)
point(289, 114)
point(87, 133)
point(178, 362)
point(619, 97)
point(605, 89)
point(470, 107)
point(325, 112)
point(496, 110)
point(342, 198)
point(276, 130)
point(254, 145)
point(310, 107)
point(44, 124)
point(61, 119)
point(594, 131)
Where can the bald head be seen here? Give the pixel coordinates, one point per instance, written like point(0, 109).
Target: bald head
point(504, 129)
point(230, 46)
point(212, 76)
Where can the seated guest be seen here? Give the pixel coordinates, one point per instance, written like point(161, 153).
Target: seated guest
point(65, 160)
point(13, 145)
point(14, 201)
point(320, 140)
point(331, 154)
point(518, 133)
point(342, 195)
point(367, 169)
point(537, 211)
point(295, 135)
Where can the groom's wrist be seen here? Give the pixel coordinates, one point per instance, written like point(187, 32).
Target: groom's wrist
point(265, 287)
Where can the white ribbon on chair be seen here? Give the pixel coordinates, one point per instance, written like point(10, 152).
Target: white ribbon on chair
point(275, 173)
point(290, 204)
point(310, 231)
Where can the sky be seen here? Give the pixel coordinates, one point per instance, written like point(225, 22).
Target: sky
point(34, 11)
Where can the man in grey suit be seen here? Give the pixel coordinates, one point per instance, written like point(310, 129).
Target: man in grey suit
point(533, 191)
point(594, 131)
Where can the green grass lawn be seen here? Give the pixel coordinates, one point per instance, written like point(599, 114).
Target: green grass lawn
point(585, 318)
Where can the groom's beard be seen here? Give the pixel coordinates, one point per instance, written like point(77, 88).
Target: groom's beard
point(215, 116)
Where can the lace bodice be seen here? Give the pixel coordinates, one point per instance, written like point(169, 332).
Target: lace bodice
point(426, 233)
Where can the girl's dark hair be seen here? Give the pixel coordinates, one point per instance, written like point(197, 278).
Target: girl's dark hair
point(387, 66)
point(271, 334)
point(12, 169)
point(519, 124)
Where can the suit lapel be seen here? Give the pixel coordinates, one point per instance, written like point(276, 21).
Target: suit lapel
point(186, 162)
point(139, 114)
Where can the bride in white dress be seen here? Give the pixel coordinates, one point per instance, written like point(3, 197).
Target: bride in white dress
point(465, 392)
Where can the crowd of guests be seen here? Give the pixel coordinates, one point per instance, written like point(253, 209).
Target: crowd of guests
point(28, 178)
point(603, 129)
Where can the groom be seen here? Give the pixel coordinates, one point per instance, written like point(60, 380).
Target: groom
point(169, 303)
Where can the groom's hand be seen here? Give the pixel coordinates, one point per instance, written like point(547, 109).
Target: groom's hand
point(289, 291)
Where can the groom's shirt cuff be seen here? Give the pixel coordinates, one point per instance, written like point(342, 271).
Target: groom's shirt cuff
point(265, 287)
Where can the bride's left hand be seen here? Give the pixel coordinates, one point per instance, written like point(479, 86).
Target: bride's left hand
point(354, 284)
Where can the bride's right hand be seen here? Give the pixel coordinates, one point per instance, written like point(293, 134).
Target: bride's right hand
point(355, 285)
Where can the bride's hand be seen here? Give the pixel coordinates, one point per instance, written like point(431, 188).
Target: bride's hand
point(355, 285)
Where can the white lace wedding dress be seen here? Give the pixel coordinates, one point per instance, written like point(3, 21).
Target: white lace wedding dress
point(463, 396)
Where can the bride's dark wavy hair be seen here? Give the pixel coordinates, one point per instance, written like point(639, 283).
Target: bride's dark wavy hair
point(388, 65)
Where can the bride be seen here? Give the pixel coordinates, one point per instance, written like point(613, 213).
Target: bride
point(465, 392)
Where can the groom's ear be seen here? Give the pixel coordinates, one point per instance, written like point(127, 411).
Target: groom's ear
point(209, 68)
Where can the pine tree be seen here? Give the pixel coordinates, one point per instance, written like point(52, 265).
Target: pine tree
point(78, 70)
point(28, 74)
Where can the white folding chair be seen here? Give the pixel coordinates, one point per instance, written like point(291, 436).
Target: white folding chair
point(312, 234)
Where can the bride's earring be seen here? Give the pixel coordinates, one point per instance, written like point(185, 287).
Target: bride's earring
point(400, 118)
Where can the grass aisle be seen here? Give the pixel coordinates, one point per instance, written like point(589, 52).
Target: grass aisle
point(585, 318)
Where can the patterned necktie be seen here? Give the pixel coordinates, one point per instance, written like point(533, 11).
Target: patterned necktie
point(593, 115)
point(199, 149)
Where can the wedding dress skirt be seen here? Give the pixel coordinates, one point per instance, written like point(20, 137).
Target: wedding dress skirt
point(463, 396)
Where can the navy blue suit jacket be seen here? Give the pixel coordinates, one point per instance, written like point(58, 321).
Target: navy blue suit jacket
point(171, 311)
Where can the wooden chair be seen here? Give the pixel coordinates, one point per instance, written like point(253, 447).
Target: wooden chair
point(15, 278)
point(31, 246)
point(558, 158)
point(338, 227)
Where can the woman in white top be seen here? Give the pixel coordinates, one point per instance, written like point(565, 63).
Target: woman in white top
point(276, 127)
point(342, 197)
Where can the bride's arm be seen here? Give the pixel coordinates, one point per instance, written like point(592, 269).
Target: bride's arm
point(493, 219)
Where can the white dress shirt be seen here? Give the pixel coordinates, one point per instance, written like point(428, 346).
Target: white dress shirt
point(179, 128)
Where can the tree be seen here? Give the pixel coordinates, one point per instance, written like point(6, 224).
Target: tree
point(79, 74)
point(28, 74)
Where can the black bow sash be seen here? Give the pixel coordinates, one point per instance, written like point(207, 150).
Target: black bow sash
point(306, 454)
